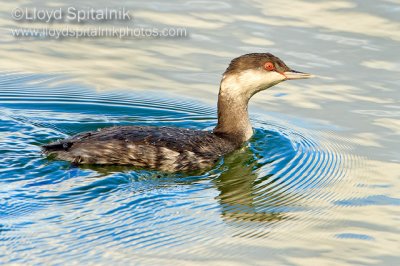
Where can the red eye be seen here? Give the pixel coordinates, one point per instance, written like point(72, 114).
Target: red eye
point(269, 66)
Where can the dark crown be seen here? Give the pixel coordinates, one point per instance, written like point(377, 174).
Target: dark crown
point(255, 61)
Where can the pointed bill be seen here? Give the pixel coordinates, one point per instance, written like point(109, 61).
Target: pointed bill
point(293, 74)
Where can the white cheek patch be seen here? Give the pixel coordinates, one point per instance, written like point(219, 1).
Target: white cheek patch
point(250, 81)
point(273, 78)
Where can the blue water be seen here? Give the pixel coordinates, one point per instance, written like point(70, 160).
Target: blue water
point(318, 184)
point(49, 207)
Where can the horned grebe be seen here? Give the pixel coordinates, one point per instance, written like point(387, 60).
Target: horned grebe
point(172, 149)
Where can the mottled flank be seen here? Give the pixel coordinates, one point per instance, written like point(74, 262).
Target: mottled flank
point(164, 148)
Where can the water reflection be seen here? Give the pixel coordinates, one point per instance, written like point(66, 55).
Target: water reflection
point(238, 194)
point(52, 213)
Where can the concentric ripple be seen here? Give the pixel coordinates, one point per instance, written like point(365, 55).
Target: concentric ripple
point(110, 214)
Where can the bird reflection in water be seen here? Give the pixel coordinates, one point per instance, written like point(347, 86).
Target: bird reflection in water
point(248, 184)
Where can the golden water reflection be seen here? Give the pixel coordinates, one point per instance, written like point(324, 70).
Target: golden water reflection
point(354, 49)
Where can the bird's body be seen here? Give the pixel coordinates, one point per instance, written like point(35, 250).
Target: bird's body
point(172, 149)
point(168, 149)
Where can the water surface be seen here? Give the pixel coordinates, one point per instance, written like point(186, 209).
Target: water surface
point(318, 182)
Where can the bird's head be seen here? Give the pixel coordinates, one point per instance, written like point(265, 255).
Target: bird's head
point(251, 73)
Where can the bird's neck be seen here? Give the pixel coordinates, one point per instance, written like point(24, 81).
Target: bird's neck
point(233, 117)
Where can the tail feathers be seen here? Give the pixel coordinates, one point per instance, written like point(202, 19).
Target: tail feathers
point(57, 146)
